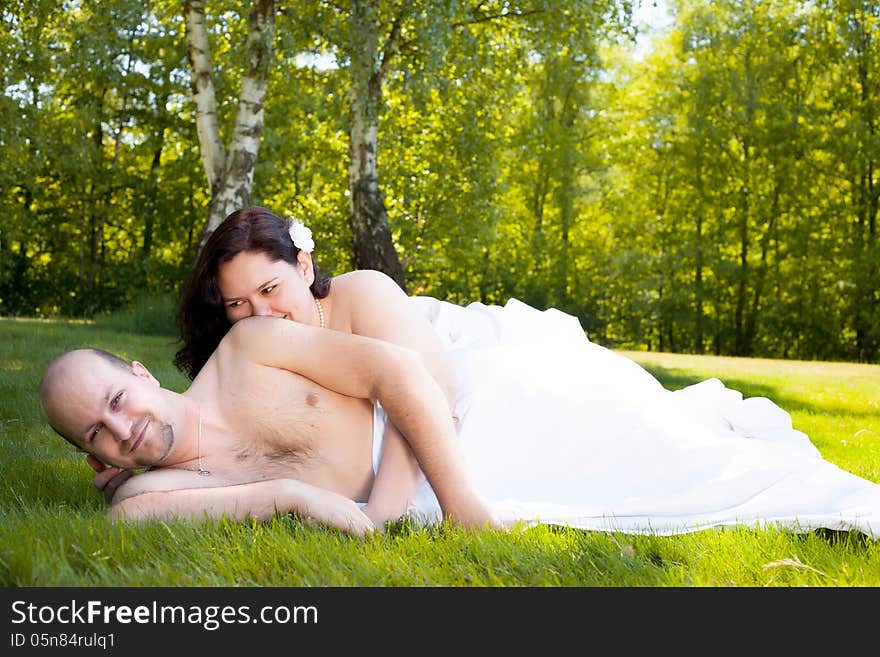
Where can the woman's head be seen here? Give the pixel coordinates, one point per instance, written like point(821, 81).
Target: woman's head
point(248, 265)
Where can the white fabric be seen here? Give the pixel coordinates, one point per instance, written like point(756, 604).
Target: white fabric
point(379, 420)
point(558, 430)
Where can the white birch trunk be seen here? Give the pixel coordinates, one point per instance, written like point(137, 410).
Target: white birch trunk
point(230, 176)
point(368, 217)
point(363, 129)
point(202, 85)
point(238, 175)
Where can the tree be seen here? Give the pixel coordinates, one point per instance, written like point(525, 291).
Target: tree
point(368, 217)
point(230, 174)
point(855, 144)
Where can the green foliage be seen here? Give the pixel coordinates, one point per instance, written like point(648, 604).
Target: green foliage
point(728, 197)
point(718, 195)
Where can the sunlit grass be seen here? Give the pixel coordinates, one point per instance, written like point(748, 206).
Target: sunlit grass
point(53, 530)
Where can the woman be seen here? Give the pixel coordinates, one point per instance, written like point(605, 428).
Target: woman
point(257, 263)
point(552, 427)
point(556, 429)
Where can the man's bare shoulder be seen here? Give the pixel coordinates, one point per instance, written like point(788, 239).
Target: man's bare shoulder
point(255, 344)
point(253, 333)
point(164, 480)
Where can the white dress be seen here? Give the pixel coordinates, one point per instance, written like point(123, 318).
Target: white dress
point(558, 430)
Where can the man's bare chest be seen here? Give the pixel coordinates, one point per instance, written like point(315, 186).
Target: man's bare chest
point(279, 424)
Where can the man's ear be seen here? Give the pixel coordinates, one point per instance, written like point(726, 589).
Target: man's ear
point(305, 266)
point(141, 370)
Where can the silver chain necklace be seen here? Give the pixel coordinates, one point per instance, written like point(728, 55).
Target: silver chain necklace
point(199, 467)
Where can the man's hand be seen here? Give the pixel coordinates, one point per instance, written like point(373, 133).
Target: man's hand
point(329, 508)
point(108, 478)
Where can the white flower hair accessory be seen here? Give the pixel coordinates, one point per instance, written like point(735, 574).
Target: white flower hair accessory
point(301, 236)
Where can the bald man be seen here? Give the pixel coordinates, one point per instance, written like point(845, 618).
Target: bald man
point(279, 420)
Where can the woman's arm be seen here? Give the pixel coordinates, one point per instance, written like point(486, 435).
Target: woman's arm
point(260, 500)
point(376, 307)
point(398, 477)
point(373, 305)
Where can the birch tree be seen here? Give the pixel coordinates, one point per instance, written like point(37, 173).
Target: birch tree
point(420, 30)
point(368, 217)
point(230, 173)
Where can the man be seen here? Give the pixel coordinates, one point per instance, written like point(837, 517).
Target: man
point(279, 420)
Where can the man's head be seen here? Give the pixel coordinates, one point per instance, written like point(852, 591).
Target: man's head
point(108, 407)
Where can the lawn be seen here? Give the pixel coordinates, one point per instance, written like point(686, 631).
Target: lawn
point(53, 530)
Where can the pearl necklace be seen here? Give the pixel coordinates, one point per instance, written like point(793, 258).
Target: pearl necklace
point(199, 467)
point(320, 311)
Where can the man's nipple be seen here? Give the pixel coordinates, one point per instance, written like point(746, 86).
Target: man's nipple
point(312, 399)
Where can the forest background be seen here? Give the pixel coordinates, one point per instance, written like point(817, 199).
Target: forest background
point(715, 193)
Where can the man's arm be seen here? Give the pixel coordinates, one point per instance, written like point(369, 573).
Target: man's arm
point(137, 500)
point(374, 369)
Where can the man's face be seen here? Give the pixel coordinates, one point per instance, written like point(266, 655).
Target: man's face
point(118, 415)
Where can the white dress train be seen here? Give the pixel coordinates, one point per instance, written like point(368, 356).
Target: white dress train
point(558, 430)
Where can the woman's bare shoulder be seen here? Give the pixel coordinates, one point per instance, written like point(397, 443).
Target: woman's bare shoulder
point(365, 297)
point(361, 280)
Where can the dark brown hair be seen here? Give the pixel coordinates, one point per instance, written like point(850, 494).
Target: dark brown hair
point(201, 317)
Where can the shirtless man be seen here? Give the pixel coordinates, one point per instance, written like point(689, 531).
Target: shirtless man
point(279, 420)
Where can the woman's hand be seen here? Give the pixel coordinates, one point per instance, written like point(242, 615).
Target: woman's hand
point(108, 478)
point(380, 516)
point(472, 512)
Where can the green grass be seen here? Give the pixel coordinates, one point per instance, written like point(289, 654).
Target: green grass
point(148, 314)
point(53, 530)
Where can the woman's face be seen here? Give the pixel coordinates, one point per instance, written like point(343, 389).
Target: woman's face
point(254, 284)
